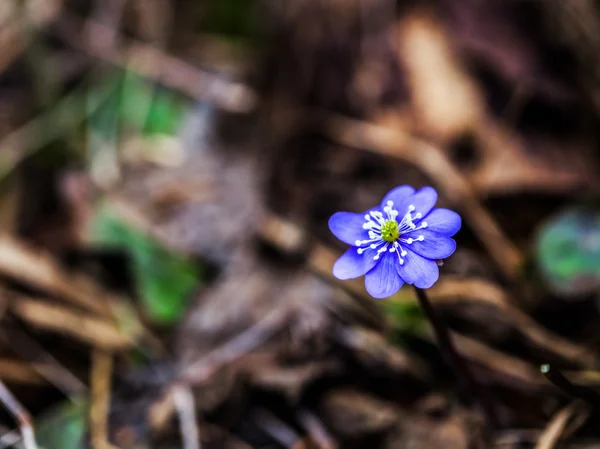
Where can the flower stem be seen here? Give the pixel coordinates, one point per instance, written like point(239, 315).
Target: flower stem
point(461, 370)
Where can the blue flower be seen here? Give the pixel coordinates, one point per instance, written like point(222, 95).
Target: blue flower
point(396, 242)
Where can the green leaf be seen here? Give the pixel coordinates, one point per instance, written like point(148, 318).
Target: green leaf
point(164, 280)
point(165, 115)
point(103, 108)
point(136, 105)
point(62, 427)
point(567, 252)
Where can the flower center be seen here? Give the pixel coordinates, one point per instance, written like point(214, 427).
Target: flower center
point(389, 231)
point(384, 233)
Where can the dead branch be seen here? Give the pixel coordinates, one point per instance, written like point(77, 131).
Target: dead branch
point(102, 367)
point(152, 63)
point(20, 414)
point(186, 409)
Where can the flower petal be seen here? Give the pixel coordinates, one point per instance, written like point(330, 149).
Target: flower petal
point(417, 270)
point(423, 199)
point(353, 265)
point(383, 280)
point(443, 221)
point(397, 195)
point(348, 227)
point(435, 246)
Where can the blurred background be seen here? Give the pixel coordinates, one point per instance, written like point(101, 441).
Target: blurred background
point(167, 170)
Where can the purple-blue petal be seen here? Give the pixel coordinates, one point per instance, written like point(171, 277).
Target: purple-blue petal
point(423, 199)
point(418, 271)
point(397, 195)
point(435, 246)
point(443, 221)
point(383, 280)
point(353, 265)
point(348, 227)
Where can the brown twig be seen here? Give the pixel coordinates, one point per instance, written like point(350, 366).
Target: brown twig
point(68, 113)
point(461, 369)
point(102, 366)
point(236, 347)
point(99, 332)
point(576, 391)
point(40, 270)
point(508, 366)
point(150, 62)
point(109, 13)
point(202, 369)
point(43, 68)
point(276, 428)
point(20, 414)
point(316, 429)
point(11, 41)
point(453, 289)
point(43, 363)
point(555, 428)
point(373, 346)
point(186, 409)
point(19, 372)
point(33, 267)
point(9, 439)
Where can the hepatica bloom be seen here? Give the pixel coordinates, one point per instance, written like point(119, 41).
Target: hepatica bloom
point(397, 242)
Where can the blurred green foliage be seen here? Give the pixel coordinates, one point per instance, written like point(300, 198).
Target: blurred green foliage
point(567, 251)
point(135, 104)
point(63, 427)
point(164, 280)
